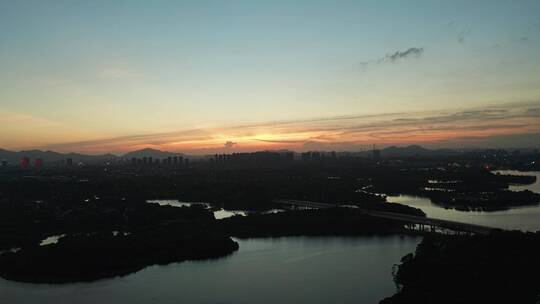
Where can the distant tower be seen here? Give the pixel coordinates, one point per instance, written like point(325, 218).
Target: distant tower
point(306, 156)
point(25, 162)
point(38, 163)
point(376, 153)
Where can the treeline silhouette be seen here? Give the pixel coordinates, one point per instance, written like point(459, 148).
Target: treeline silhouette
point(334, 221)
point(110, 237)
point(465, 188)
point(499, 268)
point(100, 255)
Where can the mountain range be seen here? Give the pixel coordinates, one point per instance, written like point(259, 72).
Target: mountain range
point(14, 157)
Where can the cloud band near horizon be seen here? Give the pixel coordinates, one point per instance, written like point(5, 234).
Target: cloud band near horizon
point(465, 128)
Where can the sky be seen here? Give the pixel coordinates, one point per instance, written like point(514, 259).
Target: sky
point(227, 76)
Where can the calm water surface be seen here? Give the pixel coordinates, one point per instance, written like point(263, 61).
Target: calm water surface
point(522, 218)
point(280, 270)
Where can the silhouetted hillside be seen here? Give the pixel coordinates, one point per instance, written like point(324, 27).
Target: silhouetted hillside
point(14, 157)
point(415, 150)
point(148, 152)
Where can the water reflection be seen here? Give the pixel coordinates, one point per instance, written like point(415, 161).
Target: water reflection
point(53, 239)
point(222, 213)
point(218, 213)
point(522, 218)
point(177, 203)
point(272, 270)
point(271, 211)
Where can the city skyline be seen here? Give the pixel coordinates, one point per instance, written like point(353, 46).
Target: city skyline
point(241, 76)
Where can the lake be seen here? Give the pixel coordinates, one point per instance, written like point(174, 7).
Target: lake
point(521, 218)
point(265, 270)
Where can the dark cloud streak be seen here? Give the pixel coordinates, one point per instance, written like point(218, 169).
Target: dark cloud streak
point(397, 55)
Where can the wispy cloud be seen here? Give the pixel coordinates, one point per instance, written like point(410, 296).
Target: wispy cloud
point(229, 144)
point(462, 35)
point(397, 55)
point(394, 57)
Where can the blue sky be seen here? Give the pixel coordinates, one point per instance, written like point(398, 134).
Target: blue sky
point(90, 70)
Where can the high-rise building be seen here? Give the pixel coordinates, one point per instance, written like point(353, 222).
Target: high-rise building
point(376, 154)
point(133, 161)
point(38, 163)
point(306, 156)
point(4, 163)
point(69, 162)
point(169, 160)
point(25, 162)
point(289, 156)
point(175, 161)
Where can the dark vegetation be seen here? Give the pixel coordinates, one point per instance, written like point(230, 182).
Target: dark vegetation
point(485, 201)
point(25, 223)
point(449, 182)
point(100, 255)
point(104, 238)
point(500, 268)
point(461, 188)
point(111, 230)
point(334, 221)
point(111, 237)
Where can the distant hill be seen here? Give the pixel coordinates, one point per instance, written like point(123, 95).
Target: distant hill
point(148, 152)
point(415, 150)
point(14, 157)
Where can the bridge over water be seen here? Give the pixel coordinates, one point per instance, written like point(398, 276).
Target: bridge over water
point(415, 222)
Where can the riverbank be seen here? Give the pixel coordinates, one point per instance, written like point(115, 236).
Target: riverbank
point(80, 257)
point(499, 268)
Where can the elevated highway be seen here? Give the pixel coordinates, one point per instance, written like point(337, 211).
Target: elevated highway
point(426, 224)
